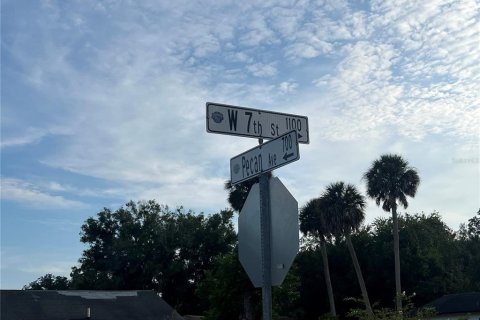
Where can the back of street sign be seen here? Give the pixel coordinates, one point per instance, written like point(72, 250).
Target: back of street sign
point(255, 123)
point(284, 233)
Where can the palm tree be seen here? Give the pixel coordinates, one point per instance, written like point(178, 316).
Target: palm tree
point(237, 194)
point(344, 209)
point(312, 222)
point(390, 180)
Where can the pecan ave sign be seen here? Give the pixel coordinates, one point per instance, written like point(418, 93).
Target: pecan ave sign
point(254, 123)
point(265, 157)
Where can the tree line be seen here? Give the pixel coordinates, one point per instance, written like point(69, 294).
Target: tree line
point(192, 258)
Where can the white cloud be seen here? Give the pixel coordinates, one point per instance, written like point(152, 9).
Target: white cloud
point(34, 265)
point(366, 68)
point(308, 44)
point(32, 136)
point(418, 78)
point(287, 20)
point(301, 50)
point(262, 70)
point(58, 268)
point(57, 187)
point(120, 191)
point(14, 137)
point(258, 32)
point(242, 57)
point(205, 45)
point(136, 95)
point(65, 225)
point(28, 194)
point(288, 86)
point(199, 194)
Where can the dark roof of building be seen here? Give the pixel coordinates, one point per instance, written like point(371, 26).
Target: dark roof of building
point(456, 303)
point(74, 305)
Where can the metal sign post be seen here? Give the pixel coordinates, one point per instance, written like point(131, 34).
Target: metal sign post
point(265, 236)
point(286, 131)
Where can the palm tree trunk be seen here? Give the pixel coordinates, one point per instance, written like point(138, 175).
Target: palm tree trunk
point(328, 281)
point(396, 249)
point(356, 265)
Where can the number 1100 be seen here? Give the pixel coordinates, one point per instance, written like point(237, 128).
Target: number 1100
point(293, 124)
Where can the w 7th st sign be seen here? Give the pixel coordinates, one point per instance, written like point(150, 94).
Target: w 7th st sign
point(266, 157)
point(255, 123)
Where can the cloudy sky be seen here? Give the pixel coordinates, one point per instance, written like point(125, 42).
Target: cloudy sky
point(103, 101)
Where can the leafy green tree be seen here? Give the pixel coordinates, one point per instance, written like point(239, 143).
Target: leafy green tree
point(238, 193)
point(286, 297)
point(431, 256)
point(146, 246)
point(344, 209)
point(314, 224)
point(433, 263)
point(390, 179)
point(471, 231)
point(469, 238)
point(49, 282)
point(229, 292)
point(408, 312)
point(312, 282)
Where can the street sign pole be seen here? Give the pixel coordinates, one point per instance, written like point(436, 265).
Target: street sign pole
point(265, 235)
point(265, 222)
point(286, 131)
